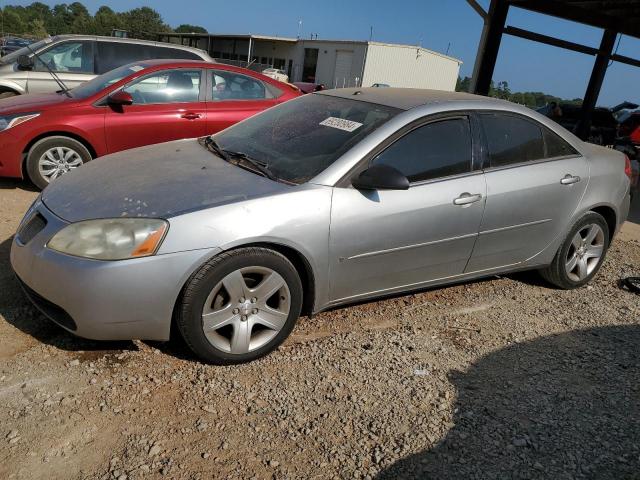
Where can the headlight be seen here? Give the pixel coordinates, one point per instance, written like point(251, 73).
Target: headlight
point(110, 239)
point(8, 121)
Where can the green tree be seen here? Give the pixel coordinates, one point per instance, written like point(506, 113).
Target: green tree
point(106, 20)
point(187, 28)
point(37, 28)
point(144, 23)
point(12, 21)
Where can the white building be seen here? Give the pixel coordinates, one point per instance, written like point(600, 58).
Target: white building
point(335, 63)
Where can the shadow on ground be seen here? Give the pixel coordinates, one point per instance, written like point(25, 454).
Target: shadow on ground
point(16, 310)
point(560, 407)
point(17, 184)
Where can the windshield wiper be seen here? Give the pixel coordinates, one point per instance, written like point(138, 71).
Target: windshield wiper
point(63, 88)
point(240, 159)
point(214, 147)
point(261, 167)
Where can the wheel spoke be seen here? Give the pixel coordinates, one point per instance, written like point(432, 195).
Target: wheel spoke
point(51, 156)
point(241, 337)
point(60, 152)
point(271, 318)
point(269, 285)
point(68, 155)
point(582, 268)
point(218, 319)
point(235, 285)
point(594, 251)
point(571, 264)
point(576, 241)
point(48, 163)
point(76, 162)
point(592, 234)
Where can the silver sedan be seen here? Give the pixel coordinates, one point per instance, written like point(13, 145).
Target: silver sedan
point(329, 199)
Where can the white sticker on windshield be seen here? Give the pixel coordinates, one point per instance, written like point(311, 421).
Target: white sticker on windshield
point(341, 124)
point(136, 68)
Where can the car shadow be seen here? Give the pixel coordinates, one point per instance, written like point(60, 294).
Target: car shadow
point(17, 184)
point(18, 311)
point(565, 406)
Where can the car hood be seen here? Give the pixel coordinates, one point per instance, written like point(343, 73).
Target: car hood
point(162, 181)
point(34, 102)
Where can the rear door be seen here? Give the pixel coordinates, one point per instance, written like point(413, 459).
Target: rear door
point(398, 239)
point(535, 181)
point(71, 60)
point(234, 97)
point(167, 105)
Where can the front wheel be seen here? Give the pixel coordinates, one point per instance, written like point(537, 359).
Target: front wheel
point(240, 306)
point(582, 253)
point(52, 157)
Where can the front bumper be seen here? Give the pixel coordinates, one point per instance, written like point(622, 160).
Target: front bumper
point(104, 300)
point(10, 155)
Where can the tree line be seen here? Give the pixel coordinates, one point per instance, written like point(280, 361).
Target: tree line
point(39, 20)
point(530, 99)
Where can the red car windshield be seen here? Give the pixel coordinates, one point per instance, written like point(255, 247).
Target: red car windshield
point(105, 80)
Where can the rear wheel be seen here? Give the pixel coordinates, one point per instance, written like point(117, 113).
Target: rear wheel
point(240, 306)
point(52, 157)
point(582, 253)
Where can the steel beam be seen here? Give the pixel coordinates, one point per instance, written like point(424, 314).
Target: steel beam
point(595, 83)
point(489, 47)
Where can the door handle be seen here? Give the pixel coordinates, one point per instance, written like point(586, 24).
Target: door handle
point(467, 198)
point(569, 179)
point(190, 115)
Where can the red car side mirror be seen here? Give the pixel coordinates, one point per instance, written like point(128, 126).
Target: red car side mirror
point(120, 98)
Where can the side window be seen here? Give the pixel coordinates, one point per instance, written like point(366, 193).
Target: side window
point(73, 57)
point(168, 86)
point(556, 146)
point(512, 139)
point(113, 55)
point(235, 86)
point(435, 150)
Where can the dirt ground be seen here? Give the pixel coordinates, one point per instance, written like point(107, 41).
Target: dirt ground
point(503, 378)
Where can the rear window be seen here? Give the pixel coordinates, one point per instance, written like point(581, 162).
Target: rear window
point(115, 54)
point(512, 139)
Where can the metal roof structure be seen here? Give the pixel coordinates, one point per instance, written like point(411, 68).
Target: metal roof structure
point(614, 17)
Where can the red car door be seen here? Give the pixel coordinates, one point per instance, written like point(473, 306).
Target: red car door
point(235, 96)
point(167, 105)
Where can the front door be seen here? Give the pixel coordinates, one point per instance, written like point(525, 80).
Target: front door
point(535, 181)
point(381, 241)
point(167, 105)
point(72, 61)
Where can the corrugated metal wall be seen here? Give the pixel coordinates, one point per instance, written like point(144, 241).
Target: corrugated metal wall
point(409, 67)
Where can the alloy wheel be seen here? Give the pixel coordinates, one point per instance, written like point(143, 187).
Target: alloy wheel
point(585, 252)
point(57, 161)
point(246, 310)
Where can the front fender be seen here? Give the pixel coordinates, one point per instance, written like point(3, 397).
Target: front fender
point(9, 85)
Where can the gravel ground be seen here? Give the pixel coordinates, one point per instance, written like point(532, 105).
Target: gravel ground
point(503, 378)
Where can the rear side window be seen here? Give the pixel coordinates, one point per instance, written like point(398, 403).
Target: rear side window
point(556, 146)
point(512, 139)
point(72, 57)
point(177, 53)
point(435, 150)
point(113, 55)
point(234, 86)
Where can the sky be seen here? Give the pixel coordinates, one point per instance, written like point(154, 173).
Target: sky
point(442, 25)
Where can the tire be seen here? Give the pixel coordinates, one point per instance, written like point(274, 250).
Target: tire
point(577, 260)
point(55, 154)
point(7, 94)
point(246, 328)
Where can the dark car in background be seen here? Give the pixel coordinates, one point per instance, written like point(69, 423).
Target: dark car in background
point(11, 44)
point(604, 125)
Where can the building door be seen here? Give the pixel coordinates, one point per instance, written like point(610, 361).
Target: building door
point(342, 71)
point(310, 64)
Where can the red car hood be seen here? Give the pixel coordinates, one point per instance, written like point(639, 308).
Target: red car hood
point(30, 103)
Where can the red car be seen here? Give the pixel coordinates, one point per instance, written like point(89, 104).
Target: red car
point(44, 136)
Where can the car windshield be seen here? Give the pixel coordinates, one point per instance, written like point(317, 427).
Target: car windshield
point(13, 56)
point(299, 139)
point(105, 80)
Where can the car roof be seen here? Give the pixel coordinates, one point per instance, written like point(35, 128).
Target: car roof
point(127, 40)
point(405, 98)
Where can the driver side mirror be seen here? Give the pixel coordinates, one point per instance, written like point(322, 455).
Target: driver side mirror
point(381, 177)
point(120, 98)
point(25, 62)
